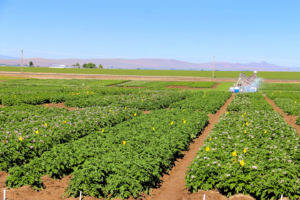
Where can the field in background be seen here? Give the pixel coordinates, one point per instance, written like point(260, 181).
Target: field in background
point(183, 73)
point(5, 78)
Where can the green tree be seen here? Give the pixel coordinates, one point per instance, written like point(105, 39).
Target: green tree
point(100, 66)
point(89, 65)
point(77, 64)
point(31, 64)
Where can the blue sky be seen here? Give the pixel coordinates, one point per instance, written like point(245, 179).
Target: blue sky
point(240, 31)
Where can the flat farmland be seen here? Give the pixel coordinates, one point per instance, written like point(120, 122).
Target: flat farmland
point(179, 73)
point(60, 138)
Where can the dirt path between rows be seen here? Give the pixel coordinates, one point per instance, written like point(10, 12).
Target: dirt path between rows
point(59, 105)
point(291, 120)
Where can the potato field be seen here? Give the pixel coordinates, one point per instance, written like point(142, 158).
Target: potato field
point(121, 139)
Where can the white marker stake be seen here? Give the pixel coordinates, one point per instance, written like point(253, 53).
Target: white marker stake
point(4, 194)
point(204, 197)
point(80, 196)
point(281, 197)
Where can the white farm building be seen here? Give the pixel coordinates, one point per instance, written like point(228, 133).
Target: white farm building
point(62, 66)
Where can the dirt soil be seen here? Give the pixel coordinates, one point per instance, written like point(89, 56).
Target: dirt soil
point(291, 120)
point(59, 105)
point(171, 188)
point(187, 87)
point(126, 86)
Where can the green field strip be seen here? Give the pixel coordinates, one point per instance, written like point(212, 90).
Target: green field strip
point(184, 73)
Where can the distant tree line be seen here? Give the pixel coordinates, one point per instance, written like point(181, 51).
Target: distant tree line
point(89, 65)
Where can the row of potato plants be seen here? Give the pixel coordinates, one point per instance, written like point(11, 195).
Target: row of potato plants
point(62, 95)
point(280, 86)
point(209, 102)
point(163, 84)
point(26, 134)
point(251, 101)
point(288, 106)
point(144, 100)
point(251, 152)
point(202, 84)
point(288, 102)
point(291, 95)
point(63, 82)
point(120, 161)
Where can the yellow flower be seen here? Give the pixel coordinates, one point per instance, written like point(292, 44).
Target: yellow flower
point(247, 123)
point(207, 148)
point(15, 96)
point(184, 121)
point(265, 132)
point(210, 139)
point(65, 122)
point(103, 130)
point(235, 160)
point(109, 110)
point(245, 131)
point(124, 142)
point(242, 115)
point(125, 108)
point(21, 139)
point(295, 101)
point(134, 114)
point(234, 153)
point(45, 124)
point(227, 113)
point(242, 163)
point(243, 125)
point(142, 99)
point(245, 150)
point(153, 128)
point(172, 123)
point(37, 132)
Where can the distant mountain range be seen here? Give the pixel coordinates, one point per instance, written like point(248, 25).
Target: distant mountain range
point(161, 64)
point(8, 57)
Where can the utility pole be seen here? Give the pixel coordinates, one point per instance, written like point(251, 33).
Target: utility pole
point(22, 61)
point(214, 68)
